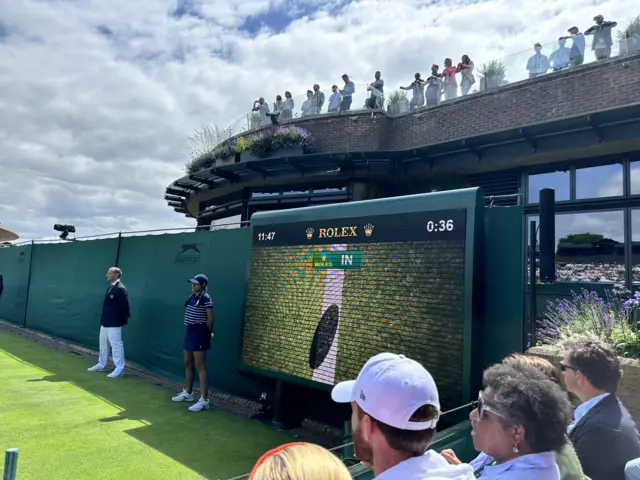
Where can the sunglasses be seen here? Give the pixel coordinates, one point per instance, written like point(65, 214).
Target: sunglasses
point(563, 368)
point(483, 408)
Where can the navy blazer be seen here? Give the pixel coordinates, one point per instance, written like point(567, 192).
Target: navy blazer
point(605, 439)
point(115, 309)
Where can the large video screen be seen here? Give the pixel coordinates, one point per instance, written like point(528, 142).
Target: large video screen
point(324, 296)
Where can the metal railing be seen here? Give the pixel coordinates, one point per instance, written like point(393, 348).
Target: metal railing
point(133, 233)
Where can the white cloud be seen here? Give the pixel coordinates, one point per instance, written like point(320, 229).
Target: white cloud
point(94, 126)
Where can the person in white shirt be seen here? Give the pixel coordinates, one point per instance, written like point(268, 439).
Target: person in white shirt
point(538, 63)
point(262, 108)
point(396, 407)
point(560, 58)
point(334, 100)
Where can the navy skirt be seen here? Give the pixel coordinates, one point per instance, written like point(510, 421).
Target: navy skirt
point(197, 338)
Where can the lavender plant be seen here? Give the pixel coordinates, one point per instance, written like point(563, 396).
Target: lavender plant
point(613, 319)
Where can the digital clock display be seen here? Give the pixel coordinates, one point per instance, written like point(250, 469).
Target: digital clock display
point(325, 295)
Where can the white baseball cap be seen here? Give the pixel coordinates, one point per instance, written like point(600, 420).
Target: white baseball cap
point(390, 388)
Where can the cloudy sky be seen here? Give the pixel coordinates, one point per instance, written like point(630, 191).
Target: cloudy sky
point(98, 97)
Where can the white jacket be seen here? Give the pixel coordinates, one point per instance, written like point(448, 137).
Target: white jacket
point(430, 466)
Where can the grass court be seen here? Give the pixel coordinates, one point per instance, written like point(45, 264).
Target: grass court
point(72, 424)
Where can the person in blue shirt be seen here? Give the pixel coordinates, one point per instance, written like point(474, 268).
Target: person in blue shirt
point(198, 319)
point(520, 422)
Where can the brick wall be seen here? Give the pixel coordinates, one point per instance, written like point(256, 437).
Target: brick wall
point(580, 90)
point(629, 391)
point(577, 91)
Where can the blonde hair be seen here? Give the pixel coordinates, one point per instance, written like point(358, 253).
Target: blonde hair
point(299, 461)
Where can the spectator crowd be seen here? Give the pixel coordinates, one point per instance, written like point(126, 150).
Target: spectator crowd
point(441, 84)
point(522, 423)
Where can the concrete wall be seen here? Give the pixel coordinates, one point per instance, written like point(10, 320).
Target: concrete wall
point(629, 391)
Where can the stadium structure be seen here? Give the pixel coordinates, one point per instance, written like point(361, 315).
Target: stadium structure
point(575, 130)
point(7, 235)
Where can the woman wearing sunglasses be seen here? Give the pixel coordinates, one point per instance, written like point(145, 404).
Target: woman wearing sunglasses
point(566, 458)
point(520, 422)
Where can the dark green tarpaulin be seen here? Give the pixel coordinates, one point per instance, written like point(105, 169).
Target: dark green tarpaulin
point(68, 285)
point(155, 271)
point(14, 267)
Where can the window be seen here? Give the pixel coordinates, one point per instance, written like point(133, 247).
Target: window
point(635, 178)
point(589, 247)
point(556, 180)
point(598, 182)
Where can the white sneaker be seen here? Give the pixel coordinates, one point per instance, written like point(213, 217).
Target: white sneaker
point(200, 405)
point(184, 397)
point(96, 368)
point(116, 373)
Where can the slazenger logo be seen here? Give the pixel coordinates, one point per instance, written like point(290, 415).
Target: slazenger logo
point(189, 254)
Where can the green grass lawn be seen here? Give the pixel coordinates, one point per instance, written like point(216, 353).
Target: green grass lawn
point(72, 424)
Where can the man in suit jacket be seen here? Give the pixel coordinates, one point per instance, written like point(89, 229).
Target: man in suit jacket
point(603, 432)
point(115, 315)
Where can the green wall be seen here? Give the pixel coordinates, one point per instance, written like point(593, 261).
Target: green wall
point(67, 285)
point(14, 267)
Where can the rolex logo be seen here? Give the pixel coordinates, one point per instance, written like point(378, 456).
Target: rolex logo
point(309, 233)
point(368, 229)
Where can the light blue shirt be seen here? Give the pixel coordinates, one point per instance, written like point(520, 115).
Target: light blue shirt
point(584, 408)
point(535, 466)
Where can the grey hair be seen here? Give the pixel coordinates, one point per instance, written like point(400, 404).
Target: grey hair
point(527, 397)
point(117, 271)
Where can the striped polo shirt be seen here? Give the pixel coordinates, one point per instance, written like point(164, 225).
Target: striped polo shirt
point(196, 311)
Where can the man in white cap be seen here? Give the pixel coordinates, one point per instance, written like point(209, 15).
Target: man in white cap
point(395, 411)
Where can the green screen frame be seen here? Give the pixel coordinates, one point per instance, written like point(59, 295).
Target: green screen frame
point(469, 199)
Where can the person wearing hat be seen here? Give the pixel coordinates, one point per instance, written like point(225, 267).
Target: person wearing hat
point(198, 319)
point(577, 49)
point(395, 409)
point(602, 40)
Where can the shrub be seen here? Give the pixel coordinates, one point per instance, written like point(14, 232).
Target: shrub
point(613, 319)
point(261, 144)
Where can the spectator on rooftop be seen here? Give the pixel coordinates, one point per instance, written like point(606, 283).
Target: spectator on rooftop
point(577, 49)
point(377, 92)
point(287, 107)
point(334, 99)
point(299, 461)
point(317, 100)
point(262, 108)
point(538, 63)
point(602, 41)
point(449, 80)
point(277, 110)
point(307, 105)
point(520, 422)
point(465, 69)
point(603, 432)
point(434, 86)
point(417, 87)
point(395, 410)
point(560, 58)
point(566, 458)
point(347, 93)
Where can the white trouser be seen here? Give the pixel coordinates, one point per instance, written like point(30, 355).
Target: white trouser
point(113, 336)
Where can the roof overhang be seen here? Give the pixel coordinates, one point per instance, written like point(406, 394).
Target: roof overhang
point(605, 132)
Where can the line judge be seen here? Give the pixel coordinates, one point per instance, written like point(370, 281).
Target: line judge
point(115, 315)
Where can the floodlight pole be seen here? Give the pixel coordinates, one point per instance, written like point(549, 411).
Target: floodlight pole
point(10, 464)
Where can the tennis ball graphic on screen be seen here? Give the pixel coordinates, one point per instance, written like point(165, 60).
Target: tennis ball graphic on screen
point(323, 336)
